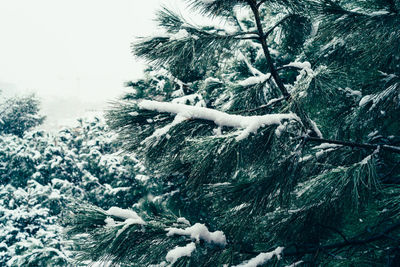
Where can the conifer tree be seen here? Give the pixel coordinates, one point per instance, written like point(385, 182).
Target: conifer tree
point(19, 114)
point(273, 138)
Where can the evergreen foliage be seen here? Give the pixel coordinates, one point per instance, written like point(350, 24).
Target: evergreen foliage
point(19, 114)
point(43, 176)
point(316, 186)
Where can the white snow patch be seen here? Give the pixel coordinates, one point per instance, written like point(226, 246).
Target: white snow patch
point(255, 79)
point(190, 99)
point(301, 65)
point(183, 220)
point(326, 145)
point(294, 264)
point(316, 129)
point(178, 252)
point(199, 231)
point(124, 214)
point(181, 34)
point(142, 177)
point(365, 100)
point(262, 258)
point(164, 130)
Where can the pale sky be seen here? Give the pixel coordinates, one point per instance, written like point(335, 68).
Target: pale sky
point(74, 54)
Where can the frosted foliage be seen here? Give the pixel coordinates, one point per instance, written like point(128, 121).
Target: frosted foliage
point(29, 232)
point(199, 232)
point(178, 252)
point(41, 174)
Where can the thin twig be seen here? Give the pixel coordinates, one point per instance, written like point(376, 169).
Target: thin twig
point(352, 144)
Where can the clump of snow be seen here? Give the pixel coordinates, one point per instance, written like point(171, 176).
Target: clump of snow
point(194, 100)
point(316, 129)
point(239, 207)
point(326, 145)
point(178, 252)
point(294, 264)
point(301, 65)
point(379, 13)
point(280, 129)
point(262, 258)
point(142, 177)
point(199, 231)
point(130, 216)
point(365, 100)
point(255, 79)
point(250, 124)
point(183, 220)
point(350, 92)
point(181, 34)
point(207, 1)
point(164, 130)
point(124, 214)
point(252, 69)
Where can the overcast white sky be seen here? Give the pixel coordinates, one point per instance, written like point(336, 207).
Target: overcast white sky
point(74, 54)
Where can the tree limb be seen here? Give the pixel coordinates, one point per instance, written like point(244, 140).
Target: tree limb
point(264, 45)
point(352, 144)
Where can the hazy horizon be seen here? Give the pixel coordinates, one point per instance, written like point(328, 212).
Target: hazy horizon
point(74, 55)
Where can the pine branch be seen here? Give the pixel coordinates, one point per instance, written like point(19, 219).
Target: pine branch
point(298, 110)
point(267, 54)
point(260, 3)
point(392, 149)
point(267, 33)
point(270, 103)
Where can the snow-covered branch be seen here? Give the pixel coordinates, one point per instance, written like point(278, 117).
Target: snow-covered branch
point(250, 124)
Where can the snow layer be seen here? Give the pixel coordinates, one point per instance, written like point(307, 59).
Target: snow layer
point(250, 124)
point(207, 1)
point(262, 258)
point(183, 220)
point(123, 213)
point(178, 252)
point(199, 231)
point(255, 79)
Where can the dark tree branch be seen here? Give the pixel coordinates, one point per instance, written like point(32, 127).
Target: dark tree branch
point(352, 144)
point(225, 36)
point(306, 122)
point(264, 45)
point(260, 3)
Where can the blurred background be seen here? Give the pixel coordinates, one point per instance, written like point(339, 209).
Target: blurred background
point(73, 55)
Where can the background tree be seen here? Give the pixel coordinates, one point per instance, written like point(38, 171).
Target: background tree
point(43, 175)
point(19, 114)
point(283, 150)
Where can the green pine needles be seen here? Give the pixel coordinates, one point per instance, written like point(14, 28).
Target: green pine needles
point(271, 138)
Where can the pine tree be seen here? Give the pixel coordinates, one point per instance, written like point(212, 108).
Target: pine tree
point(19, 114)
point(273, 139)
